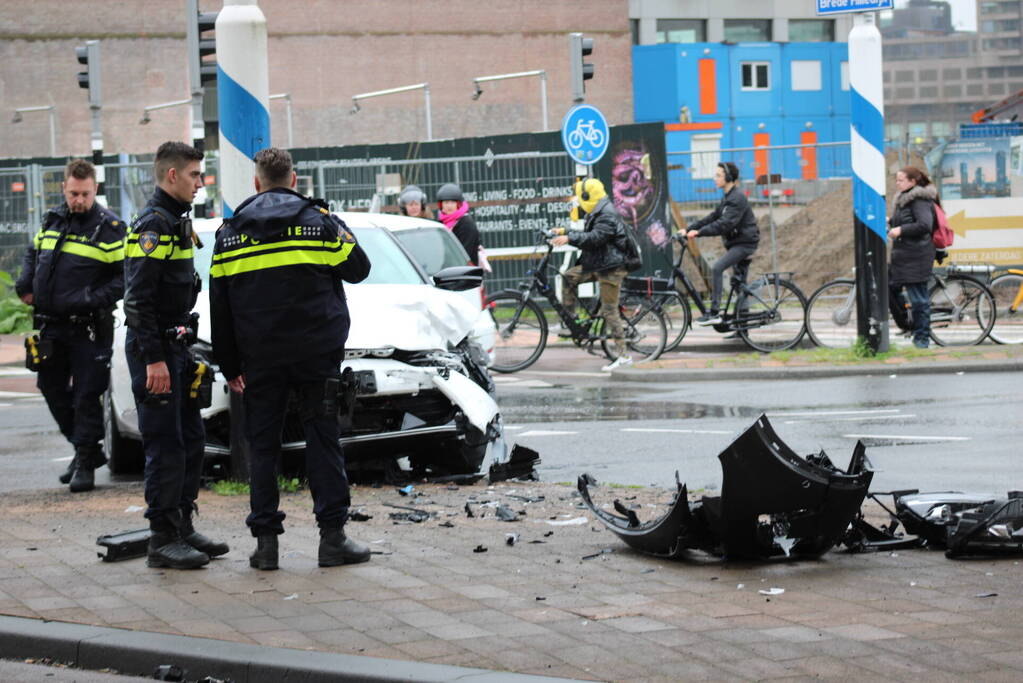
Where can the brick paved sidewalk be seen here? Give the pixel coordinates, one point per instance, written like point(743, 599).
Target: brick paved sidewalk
point(534, 607)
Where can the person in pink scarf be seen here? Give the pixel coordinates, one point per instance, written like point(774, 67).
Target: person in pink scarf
point(454, 214)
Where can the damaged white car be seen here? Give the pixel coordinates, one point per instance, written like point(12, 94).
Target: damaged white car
point(418, 388)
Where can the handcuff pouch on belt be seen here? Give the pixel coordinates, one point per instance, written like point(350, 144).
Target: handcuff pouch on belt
point(37, 352)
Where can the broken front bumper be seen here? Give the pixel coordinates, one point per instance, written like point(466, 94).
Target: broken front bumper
point(773, 502)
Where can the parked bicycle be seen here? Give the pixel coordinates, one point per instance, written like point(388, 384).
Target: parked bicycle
point(962, 310)
point(1007, 290)
point(768, 314)
point(522, 325)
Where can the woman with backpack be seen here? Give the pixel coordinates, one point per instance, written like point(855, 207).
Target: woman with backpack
point(912, 256)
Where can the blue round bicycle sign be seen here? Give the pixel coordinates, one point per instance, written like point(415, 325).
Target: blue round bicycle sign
point(585, 134)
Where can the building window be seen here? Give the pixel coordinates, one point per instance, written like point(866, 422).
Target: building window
point(917, 129)
point(974, 73)
point(894, 131)
point(1014, 71)
point(747, 30)
point(929, 91)
point(681, 31)
point(974, 89)
point(988, 7)
point(706, 155)
point(887, 76)
point(941, 128)
point(634, 30)
point(756, 75)
point(904, 93)
point(995, 72)
point(806, 74)
point(951, 74)
point(928, 74)
point(903, 76)
point(996, 88)
point(844, 74)
point(811, 30)
point(952, 91)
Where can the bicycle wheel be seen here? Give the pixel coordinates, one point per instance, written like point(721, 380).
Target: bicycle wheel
point(1007, 289)
point(831, 315)
point(962, 311)
point(521, 332)
point(678, 317)
point(645, 330)
point(771, 316)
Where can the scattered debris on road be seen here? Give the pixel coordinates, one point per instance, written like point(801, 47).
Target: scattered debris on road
point(521, 465)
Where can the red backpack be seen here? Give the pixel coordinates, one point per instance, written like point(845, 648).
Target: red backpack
point(942, 235)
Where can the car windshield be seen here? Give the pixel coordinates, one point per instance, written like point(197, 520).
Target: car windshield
point(434, 248)
point(390, 265)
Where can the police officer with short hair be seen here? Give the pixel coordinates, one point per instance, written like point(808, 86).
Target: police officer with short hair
point(280, 323)
point(73, 276)
point(161, 287)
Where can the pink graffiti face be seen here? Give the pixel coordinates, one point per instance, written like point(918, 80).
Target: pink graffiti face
point(632, 188)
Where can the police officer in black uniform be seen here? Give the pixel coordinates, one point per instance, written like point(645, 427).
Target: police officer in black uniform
point(73, 276)
point(161, 287)
point(280, 323)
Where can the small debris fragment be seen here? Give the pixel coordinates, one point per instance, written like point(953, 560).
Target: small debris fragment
point(480, 549)
point(912, 583)
point(575, 521)
point(506, 514)
point(359, 516)
point(771, 591)
point(986, 595)
point(548, 534)
point(447, 525)
point(293, 596)
point(416, 516)
point(740, 586)
point(648, 571)
point(521, 465)
point(510, 539)
point(468, 511)
point(540, 597)
point(406, 490)
point(168, 672)
point(604, 551)
point(134, 508)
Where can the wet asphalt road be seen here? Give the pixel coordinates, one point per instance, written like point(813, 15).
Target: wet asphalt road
point(932, 432)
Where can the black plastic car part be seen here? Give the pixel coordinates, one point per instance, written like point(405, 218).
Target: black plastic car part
point(996, 527)
point(773, 502)
point(125, 545)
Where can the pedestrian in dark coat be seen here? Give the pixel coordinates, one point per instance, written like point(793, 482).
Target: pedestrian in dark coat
point(912, 256)
point(453, 212)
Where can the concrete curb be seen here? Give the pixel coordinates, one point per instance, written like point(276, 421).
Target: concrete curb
point(810, 371)
point(139, 653)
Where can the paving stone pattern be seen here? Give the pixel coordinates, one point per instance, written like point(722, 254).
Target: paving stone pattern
point(530, 608)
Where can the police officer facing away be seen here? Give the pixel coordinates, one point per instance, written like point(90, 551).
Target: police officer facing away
point(280, 323)
point(160, 290)
point(73, 276)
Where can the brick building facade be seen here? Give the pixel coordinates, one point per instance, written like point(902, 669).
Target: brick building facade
point(321, 53)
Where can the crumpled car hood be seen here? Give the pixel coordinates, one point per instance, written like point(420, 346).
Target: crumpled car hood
point(409, 317)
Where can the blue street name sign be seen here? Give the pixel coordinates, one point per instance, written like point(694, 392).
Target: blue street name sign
point(840, 6)
point(585, 134)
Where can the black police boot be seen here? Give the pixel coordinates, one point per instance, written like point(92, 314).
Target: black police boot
point(203, 544)
point(89, 457)
point(337, 549)
point(265, 556)
point(65, 476)
point(167, 549)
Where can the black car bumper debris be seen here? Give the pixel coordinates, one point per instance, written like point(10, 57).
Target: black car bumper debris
point(773, 503)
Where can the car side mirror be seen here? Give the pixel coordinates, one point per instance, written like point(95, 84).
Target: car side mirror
point(458, 278)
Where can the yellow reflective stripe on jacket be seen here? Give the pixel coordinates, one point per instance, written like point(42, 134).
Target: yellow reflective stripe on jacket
point(264, 246)
point(106, 252)
point(166, 250)
point(330, 254)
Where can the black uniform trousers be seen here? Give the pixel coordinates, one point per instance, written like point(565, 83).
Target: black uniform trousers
point(172, 437)
point(265, 399)
point(74, 377)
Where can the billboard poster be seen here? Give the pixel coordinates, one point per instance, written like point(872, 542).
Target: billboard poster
point(981, 186)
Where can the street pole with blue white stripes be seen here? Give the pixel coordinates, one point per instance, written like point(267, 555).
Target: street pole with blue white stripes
point(868, 166)
point(243, 92)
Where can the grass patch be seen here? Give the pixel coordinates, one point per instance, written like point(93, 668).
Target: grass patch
point(226, 487)
point(613, 485)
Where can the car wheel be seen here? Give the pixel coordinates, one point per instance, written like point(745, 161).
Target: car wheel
point(239, 445)
point(460, 456)
point(124, 455)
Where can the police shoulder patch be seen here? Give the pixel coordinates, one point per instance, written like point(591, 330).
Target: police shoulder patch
point(148, 241)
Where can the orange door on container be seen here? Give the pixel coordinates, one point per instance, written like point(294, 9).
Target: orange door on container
point(809, 137)
point(760, 163)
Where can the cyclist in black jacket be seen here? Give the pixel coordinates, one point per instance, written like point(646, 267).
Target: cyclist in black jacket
point(73, 276)
point(734, 221)
point(161, 287)
point(280, 323)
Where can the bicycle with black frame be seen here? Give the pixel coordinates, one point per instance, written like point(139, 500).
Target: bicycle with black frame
point(522, 324)
point(768, 313)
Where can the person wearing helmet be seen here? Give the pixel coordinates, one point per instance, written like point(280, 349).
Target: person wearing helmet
point(605, 258)
point(412, 202)
point(734, 221)
point(454, 214)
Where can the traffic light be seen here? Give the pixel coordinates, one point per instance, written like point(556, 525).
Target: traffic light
point(89, 79)
point(580, 48)
point(202, 72)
